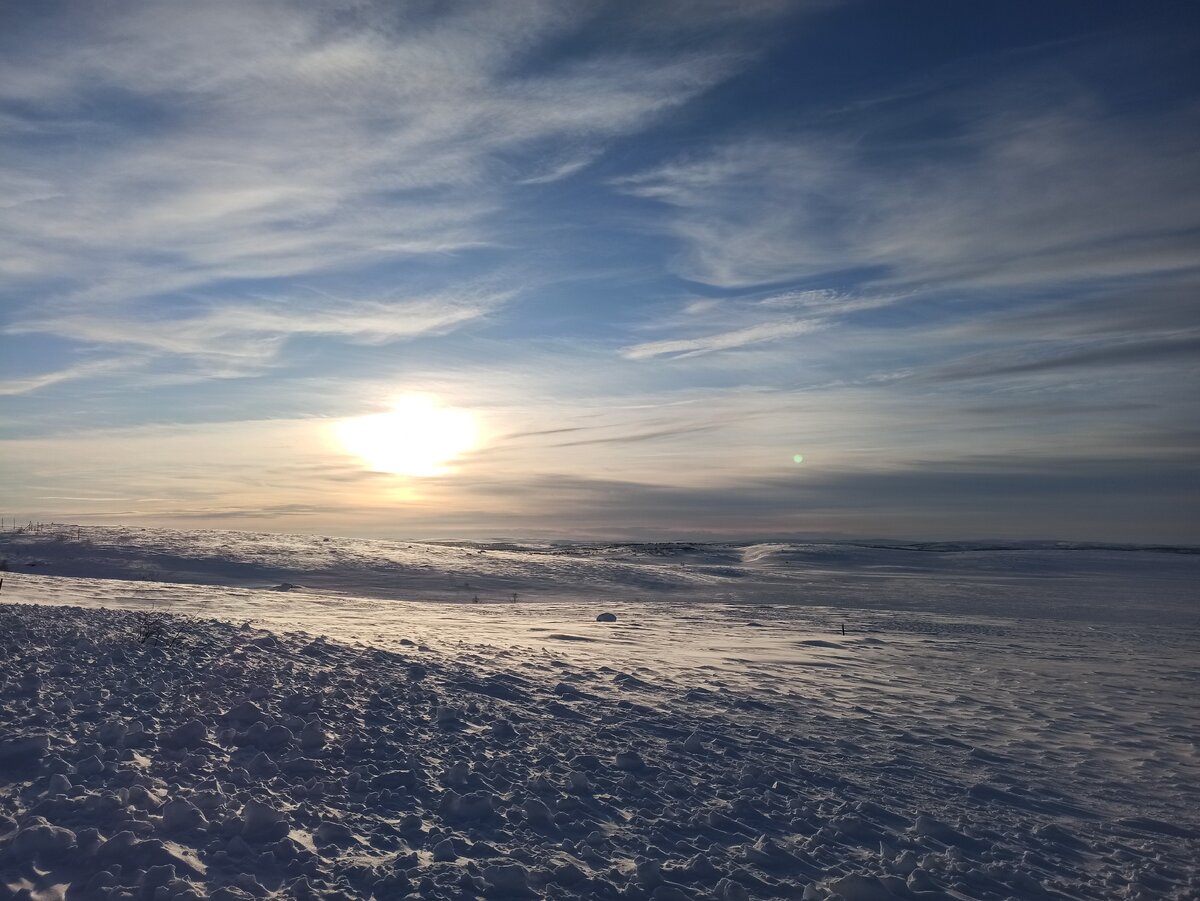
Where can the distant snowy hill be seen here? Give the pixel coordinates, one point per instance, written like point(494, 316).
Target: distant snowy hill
point(1035, 579)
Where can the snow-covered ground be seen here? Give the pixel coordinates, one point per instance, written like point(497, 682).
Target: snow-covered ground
point(996, 721)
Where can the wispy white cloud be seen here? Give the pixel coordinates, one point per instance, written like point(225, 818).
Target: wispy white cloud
point(742, 337)
point(177, 148)
point(1023, 192)
point(250, 335)
point(708, 325)
point(561, 168)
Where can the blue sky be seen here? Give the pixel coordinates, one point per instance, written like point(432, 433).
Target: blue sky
point(946, 252)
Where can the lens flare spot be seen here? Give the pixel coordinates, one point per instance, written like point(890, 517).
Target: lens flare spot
point(798, 458)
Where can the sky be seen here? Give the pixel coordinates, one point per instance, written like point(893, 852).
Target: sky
point(922, 270)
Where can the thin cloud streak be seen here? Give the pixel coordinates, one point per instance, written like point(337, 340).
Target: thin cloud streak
point(10, 387)
point(253, 334)
point(637, 437)
point(690, 347)
point(1163, 352)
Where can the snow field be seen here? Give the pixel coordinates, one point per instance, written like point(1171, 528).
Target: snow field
point(229, 762)
point(225, 715)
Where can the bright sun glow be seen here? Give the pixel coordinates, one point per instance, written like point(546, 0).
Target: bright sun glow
point(417, 438)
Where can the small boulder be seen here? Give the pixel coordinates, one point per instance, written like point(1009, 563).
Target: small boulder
point(471, 806)
point(630, 761)
point(537, 812)
point(337, 834)
point(246, 713)
point(23, 750)
point(457, 773)
point(126, 849)
point(606, 617)
point(89, 766)
point(649, 873)
point(263, 823)
point(506, 879)
point(191, 734)
point(41, 841)
point(142, 799)
point(300, 703)
point(111, 734)
point(182, 816)
point(261, 764)
point(312, 736)
point(444, 852)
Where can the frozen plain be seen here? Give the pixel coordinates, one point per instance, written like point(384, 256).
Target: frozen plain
point(997, 722)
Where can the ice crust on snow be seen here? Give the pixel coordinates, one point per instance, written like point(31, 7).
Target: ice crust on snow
point(443, 751)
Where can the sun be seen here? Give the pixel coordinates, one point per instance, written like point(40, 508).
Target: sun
point(417, 437)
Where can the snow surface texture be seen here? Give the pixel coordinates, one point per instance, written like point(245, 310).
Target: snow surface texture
point(711, 751)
